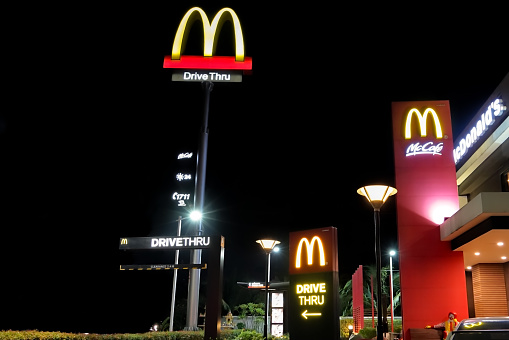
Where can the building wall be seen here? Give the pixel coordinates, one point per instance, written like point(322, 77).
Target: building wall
point(490, 292)
point(488, 176)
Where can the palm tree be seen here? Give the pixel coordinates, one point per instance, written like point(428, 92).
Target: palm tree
point(345, 292)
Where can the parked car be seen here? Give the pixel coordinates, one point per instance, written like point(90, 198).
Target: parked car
point(487, 328)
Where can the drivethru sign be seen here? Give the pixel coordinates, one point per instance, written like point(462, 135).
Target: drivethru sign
point(314, 288)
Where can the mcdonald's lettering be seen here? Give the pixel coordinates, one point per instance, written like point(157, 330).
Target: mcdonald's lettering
point(487, 119)
point(185, 242)
point(422, 123)
point(309, 250)
point(163, 242)
point(210, 35)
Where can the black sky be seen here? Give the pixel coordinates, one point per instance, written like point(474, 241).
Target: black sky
point(89, 141)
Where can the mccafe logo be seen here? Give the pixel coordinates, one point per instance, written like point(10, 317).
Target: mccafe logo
point(428, 147)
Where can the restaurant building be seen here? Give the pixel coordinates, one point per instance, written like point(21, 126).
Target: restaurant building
point(480, 228)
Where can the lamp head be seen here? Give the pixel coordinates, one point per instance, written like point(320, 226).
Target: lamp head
point(195, 215)
point(377, 194)
point(268, 245)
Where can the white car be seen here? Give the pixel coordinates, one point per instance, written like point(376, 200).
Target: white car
point(487, 328)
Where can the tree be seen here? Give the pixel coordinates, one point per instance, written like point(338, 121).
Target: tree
point(345, 292)
point(252, 313)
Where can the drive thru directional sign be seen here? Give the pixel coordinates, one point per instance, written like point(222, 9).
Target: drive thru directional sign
point(314, 288)
point(306, 314)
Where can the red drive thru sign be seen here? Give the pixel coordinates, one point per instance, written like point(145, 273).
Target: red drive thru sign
point(208, 67)
point(314, 288)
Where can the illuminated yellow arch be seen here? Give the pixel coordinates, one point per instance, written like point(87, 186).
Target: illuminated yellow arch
point(209, 32)
point(422, 122)
point(309, 249)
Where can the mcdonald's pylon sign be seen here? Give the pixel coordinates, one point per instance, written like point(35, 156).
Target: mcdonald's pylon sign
point(313, 293)
point(211, 32)
point(422, 120)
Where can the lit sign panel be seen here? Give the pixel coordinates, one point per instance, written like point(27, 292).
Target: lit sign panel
point(422, 118)
point(214, 76)
point(181, 198)
point(192, 242)
point(309, 251)
point(185, 155)
point(277, 314)
point(428, 147)
point(210, 35)
point(496, 110)
point(425, 176)
point(313, 292)
point(184, 182)
point(183, 177)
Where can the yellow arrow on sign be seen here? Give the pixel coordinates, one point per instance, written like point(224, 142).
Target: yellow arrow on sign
point(306, 314)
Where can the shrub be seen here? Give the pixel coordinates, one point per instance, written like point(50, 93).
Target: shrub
point(249, 335)
point(367, 332)
point(37, 335)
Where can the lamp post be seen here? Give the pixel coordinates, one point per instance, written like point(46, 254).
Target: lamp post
point(267, 246)
point(377, 195)
point(195, 216)
point(391, 254)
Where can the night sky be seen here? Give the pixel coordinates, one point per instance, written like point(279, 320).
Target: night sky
point(90, 140)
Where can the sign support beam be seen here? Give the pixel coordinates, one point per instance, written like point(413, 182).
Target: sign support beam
point(199, 198)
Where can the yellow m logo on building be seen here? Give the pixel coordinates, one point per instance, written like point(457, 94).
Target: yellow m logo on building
point(209, 32)
point(422, 118)
point(123, 241)
point(309, 249)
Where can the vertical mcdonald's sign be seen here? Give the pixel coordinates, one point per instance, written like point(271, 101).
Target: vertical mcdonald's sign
point(314, 288)
point(427, 194)
point(218, 68)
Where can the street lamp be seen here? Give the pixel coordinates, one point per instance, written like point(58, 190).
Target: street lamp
point(195, 216)
point(377, 195)
point(267, 246)
point(392, 253)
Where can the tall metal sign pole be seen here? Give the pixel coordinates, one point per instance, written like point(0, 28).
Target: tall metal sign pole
point(199, 198)
point(174, 286)
point(205, 69)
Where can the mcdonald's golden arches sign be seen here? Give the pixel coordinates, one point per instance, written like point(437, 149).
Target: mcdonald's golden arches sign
point(313, 251)
point(211, 31)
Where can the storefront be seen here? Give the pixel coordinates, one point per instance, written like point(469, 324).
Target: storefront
point(453, 210)
point(480, 229)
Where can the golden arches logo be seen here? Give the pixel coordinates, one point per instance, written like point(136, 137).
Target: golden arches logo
point(123, 241)
point(209, 32)
point(422, 122)
point(309, 249)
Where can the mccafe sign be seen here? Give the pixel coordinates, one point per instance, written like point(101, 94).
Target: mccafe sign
point(423, 145)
